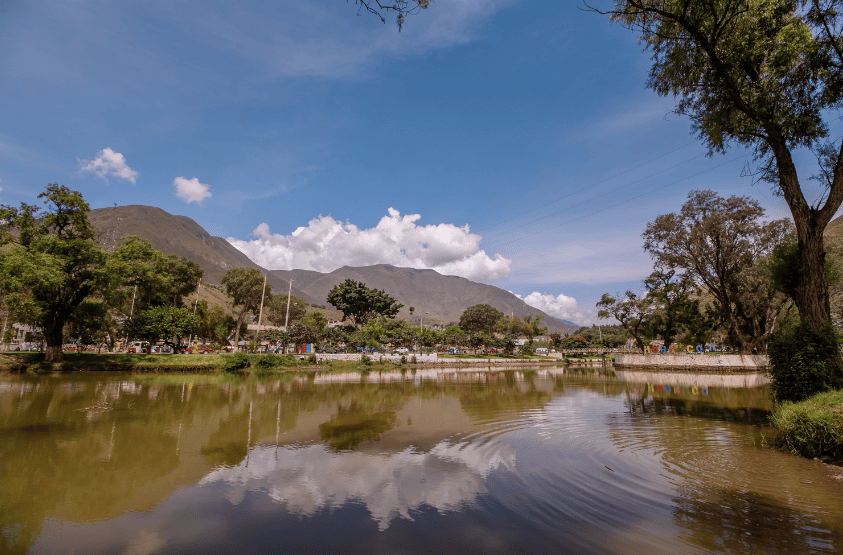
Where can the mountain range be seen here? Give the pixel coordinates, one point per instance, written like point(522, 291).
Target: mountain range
point(436, 298)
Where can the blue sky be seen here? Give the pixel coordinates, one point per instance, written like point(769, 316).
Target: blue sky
point(509, 142)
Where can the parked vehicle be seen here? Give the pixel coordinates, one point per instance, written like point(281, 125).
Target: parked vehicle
point(401, 351)
point(138, 347)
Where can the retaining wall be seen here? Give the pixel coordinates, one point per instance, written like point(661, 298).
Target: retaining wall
point(432, 358)
point(694, 362)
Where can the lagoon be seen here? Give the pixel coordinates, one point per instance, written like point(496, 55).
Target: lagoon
point(439, 460)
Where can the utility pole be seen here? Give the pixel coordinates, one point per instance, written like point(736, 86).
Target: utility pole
point(287, 318)
point(131, 313)
point(5, 323)
point(195, 305)
point(260, 314)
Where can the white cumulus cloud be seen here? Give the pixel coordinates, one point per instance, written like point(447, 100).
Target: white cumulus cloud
point(327, 244)
point(560, 306)
point(109, 164)
point(190, 190)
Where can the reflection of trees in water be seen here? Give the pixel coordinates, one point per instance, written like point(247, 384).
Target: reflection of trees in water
point(733, 494)
point(54, 458)
point(732, 406)
point(353, 425)
point(59, 461)
point(732, 521)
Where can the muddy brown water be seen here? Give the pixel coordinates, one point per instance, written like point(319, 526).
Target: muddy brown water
point(544, 461)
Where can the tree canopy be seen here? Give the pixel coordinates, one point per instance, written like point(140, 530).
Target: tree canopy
point(163, 322)
point(360, 304)
point(480, 318)
point(245, 287)
point(763, 74)
point(720, 243)
point(51, 260)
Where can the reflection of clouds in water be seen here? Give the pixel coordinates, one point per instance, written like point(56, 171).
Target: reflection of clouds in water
point(310, 478)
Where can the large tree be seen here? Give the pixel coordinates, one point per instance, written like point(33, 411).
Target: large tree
point(360, 304)
point(51, 258)
point(480, 318)
point(163, 322)
point(720, 243)
point(276, 309)
point(628, 309)
point(763, 74)
point(670, 297)
point(245, 287)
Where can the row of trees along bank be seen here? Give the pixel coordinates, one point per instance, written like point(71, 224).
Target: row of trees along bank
point(372, 324)
point(55, 276)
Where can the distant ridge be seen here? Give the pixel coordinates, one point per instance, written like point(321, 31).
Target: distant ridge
point(181, 236)
point(436, 298)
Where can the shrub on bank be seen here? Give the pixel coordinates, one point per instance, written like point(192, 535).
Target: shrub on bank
point(813, 427)
point(270, 360)
point(236, 362)
point(800, 362)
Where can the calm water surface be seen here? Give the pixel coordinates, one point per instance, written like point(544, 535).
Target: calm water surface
point(491, 462)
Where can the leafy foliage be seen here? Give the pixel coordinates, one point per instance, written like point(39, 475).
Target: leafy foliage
point(236, 362)
point(276, 310)
point(767, 75)
point(480, 318)
point(245, 286)
point(630, 310)
point(162, 322)
point(720, 243)
point(360, 304)
point(800, 362)
point(51, 259)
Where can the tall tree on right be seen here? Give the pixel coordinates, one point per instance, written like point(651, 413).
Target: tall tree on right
point(765, 74)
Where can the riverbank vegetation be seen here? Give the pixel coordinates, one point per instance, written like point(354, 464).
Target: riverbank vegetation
point(813, 427)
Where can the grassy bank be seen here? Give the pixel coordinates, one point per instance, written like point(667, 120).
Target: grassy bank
point(139, 363)
point(197, 364)
point(813, 427)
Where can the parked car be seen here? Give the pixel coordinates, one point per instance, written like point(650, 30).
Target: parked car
point(401, 351)
point(138, 347)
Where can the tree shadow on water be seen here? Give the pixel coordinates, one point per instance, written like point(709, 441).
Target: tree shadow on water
point(731, 521)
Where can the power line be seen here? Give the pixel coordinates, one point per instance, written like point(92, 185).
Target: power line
point(623, 202)
point(586, 188)
point(597, 197)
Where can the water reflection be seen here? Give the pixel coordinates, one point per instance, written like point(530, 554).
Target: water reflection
point(538, 461)
point(308, 479)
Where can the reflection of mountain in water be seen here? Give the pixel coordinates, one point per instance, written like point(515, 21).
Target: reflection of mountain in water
point(311, 478)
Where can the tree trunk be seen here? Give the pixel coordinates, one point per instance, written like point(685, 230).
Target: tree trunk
point(53, 328)
point(812, 293)
point(812, 297)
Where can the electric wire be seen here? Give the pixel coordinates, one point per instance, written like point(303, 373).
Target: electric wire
point(594, 198)
point(544, 230)
point(586, 188)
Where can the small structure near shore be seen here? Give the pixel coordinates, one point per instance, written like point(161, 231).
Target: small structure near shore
point(694, 362)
